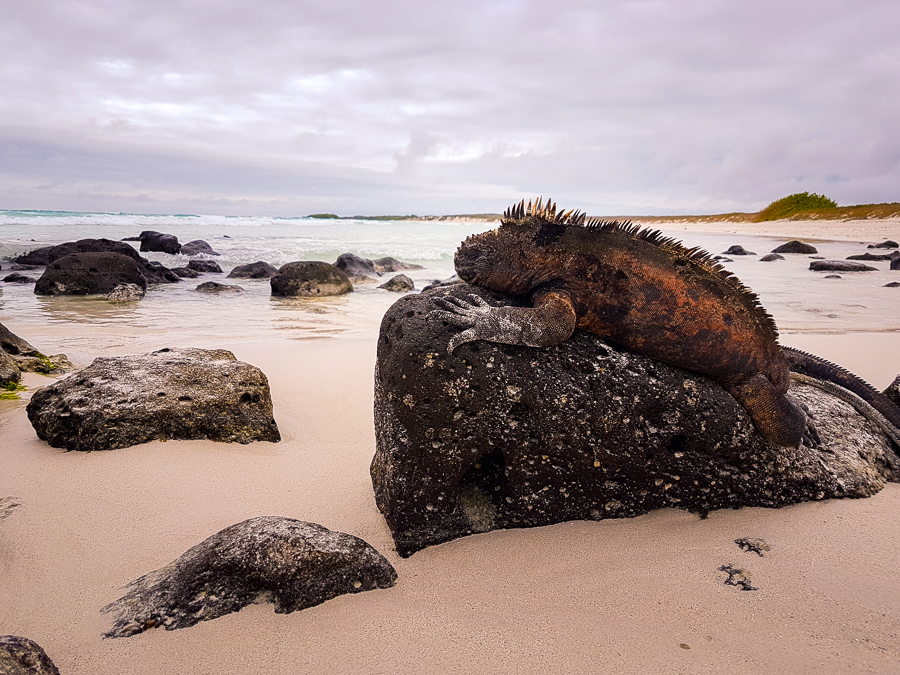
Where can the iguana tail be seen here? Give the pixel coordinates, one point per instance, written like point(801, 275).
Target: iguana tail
point(820, 369)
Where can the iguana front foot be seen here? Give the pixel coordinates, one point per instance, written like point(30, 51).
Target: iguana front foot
point(549, 322)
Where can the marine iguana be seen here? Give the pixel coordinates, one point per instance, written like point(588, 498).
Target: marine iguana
point(646, 292)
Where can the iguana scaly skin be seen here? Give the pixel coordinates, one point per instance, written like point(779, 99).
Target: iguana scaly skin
point(636, 288)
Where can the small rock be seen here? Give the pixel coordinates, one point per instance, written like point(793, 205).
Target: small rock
point(291, 563)
point(204, 266)
point(257, 270)
point(832, 276)
point(769, 257)
point(895, 263)
point(840, 266)
point(126, 293)
point(216, 287)
point(159, 242)
point(893, 284)
point(885, 244)
point(870, 256)
point(197, 247)
point(359, 270)
point(16, 278)
point(795, 246)
point(752, 544)
point(399, 284)
point(738, 577)
point(21, 656)
point(383, 265)
point(186, 272)
point(738, 250)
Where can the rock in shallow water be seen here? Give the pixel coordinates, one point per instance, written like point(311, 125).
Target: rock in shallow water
point(89, 273)
point(309, 278)
point(291, 563)
point(499, 436)
point(182, 393)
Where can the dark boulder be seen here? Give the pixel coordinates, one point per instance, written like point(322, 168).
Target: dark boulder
point(216, 287)
point(89, 273)
point(769, 257)
point(39, 256)
point(197, 247)
point(501, 436)
point(17, 278)
point(157, 273)
point(795, 246)
point(182, 393)
point(309, 278)
point(257, 270)
point(360, 270)
point(290, 563)
point(840, 266)
point(383, 265)
point(895, 263)
point(399, 284)
point(9, 371)
point(893, 284)
point(885, 244)
point(159, 242)
point(26, 358)
point(92, 246)
point(738, 250)
point(21, 656)
point(186, 272)
point(204, 266)
point(870, 256)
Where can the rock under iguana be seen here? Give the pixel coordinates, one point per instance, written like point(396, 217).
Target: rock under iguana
point(290, 563)
point(178, 393)
point(638, 289)
point(503, 436)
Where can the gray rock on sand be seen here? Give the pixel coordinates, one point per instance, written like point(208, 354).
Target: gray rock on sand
point(885, 244)
point(179, 393)
point(290, 563)
point(503, 436)
point(840, 266)
point(197, 247)
point(216, 287)
point(309, 278)
point(795, 246)
point(126, 293)
point(871, 256)
point(399, 284)
point(88, 274)
point(204, 266)
point(152, 240)
point(737, 249)
point(383, 265)
point(893, 284)
point(21, 656)
point(257, 270)
point(359, 270)
point(769, 257)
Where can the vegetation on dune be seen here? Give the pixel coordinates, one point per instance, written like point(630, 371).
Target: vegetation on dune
point(332, 216)
point(794, 204)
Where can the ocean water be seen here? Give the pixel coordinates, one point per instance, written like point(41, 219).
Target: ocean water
point(175, 314)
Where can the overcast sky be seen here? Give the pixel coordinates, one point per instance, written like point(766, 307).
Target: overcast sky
point(288, 108)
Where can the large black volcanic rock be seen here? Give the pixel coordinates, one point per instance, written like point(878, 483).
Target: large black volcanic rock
point(309, 278)
point(291, 563)
point(89, 273)
point(182, 394)
point(500, 436)
point(92, 246)
point(795, 246)
point(840, 266)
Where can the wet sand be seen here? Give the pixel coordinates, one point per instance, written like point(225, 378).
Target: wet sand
point(621, 596)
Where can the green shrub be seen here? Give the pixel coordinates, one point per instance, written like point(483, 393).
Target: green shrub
point(333, 216)
point(797, 203)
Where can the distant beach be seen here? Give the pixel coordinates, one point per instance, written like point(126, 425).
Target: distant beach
point(619, 596)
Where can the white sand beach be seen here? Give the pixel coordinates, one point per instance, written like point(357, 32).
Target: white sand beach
point(640, 595)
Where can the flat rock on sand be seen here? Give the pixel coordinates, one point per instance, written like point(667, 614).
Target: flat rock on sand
point(183, 393)
point(291, 563)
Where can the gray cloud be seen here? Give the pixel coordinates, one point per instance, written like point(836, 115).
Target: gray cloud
point(650, 106)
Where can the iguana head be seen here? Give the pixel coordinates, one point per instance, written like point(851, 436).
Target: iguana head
point(508, 259)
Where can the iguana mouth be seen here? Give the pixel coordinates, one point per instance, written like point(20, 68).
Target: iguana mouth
point(468, 262)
